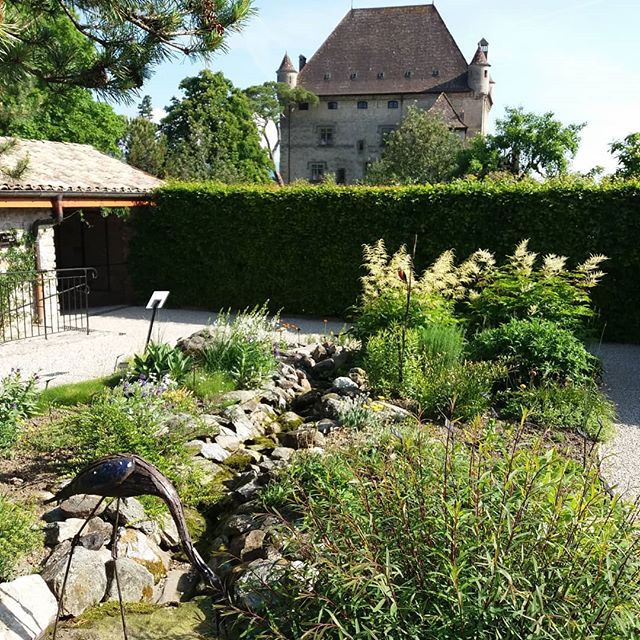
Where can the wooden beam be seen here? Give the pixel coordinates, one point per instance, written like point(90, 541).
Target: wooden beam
point(68, 203)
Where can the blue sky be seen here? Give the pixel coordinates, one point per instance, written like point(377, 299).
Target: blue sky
point(577, 58)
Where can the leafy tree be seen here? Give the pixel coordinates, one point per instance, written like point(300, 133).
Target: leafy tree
point(121, 41)
point(422, 150)
point(627, 152)
point(271, 102)
point(145, 147)
point(72, 115)
point(211, 133)
point(525, 143)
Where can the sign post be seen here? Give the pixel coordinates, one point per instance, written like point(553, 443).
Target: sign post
point(156, 301)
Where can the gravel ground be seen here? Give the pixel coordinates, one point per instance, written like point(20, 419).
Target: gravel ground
point(117, 333)
point(621, 465)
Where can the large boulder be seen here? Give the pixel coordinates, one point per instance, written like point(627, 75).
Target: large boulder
point(136, 582)
point(27, 608)
point(135, 545)
point(87, 581)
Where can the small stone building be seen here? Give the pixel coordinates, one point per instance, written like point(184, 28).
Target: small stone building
point(62, 207)
point(373, 66)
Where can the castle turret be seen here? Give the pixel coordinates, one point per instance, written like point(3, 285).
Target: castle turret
point(479, 77)
point(287, 72)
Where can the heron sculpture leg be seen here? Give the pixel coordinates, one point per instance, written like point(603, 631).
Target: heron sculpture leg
point(74, 543)
point(114, 555)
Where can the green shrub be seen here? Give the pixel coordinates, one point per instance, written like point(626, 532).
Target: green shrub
point(18, 399)
point(444, 344)
point(418, 537)
point(242, 348)
point(440, 383)
point(20, 534)
point(535, 350)
point(563, 406)
point(518, 290)
point(160, 360)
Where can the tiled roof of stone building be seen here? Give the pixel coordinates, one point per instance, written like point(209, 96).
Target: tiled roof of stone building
point(387, 50)
point(443, 108)
point(286, 64)
point(480, 57)
point(66, 167)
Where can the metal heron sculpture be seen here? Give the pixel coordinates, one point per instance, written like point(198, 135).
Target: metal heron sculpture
point(123, 476)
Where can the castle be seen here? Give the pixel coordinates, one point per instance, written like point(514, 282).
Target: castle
point(373, 66)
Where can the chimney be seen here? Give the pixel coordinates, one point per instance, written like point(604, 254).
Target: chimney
point(302, 61)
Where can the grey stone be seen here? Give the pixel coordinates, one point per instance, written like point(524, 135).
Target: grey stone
point(169, 536)
point(135, 545)
point(238, 524)
point(231, 443)
point(324, 369)
point(282, 453)
point(242, 426)
point(302, 438)
point(27, 608)
point(391, 413)
point(136, 582)
point(57, 532)
point(209, 470)
point(194, 447)
point(267, 466)
point(87, 581)
point(331, 406)
point(131, 510)
point(80, 506)
point(54, 515)
point(326, 426)
point(240, 396)
point(178, 586)
point(248, 490)
point(306, 400)
point(214, 451)
point(290, 420)
point(253, 546)
point(345, 385)
point(254, 589)
point(359, 376)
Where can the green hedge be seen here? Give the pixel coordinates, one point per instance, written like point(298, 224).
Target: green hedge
point(300, 247)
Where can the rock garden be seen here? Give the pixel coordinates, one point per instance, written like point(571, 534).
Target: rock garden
point(432, 473)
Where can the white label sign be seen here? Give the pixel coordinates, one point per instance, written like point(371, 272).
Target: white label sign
point(157, 300)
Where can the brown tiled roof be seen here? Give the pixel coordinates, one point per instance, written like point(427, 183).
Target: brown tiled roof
point(65, 167)
point(444, 109)
point(286, 64)
point(390, 50)
point(480, 58)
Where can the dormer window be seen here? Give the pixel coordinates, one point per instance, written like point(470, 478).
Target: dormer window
point(381, 75)
point(408, 74)
point(435, 72)
point(354, 75)
point(327, 76)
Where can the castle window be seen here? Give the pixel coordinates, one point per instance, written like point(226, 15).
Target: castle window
point(341, 176)
point(303, 106)
point(360, 146)
point(326, 136)
point(486, 73)
point(327, 76)
point(317, 171)
point(393, 104)
point(385, 130)
point(363, 104)
point(332, 105)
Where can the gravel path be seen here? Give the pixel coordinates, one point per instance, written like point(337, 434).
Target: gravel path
point(117, 333)
point(621, 464)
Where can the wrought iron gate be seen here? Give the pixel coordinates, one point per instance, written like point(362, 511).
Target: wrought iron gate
point(41, 303)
